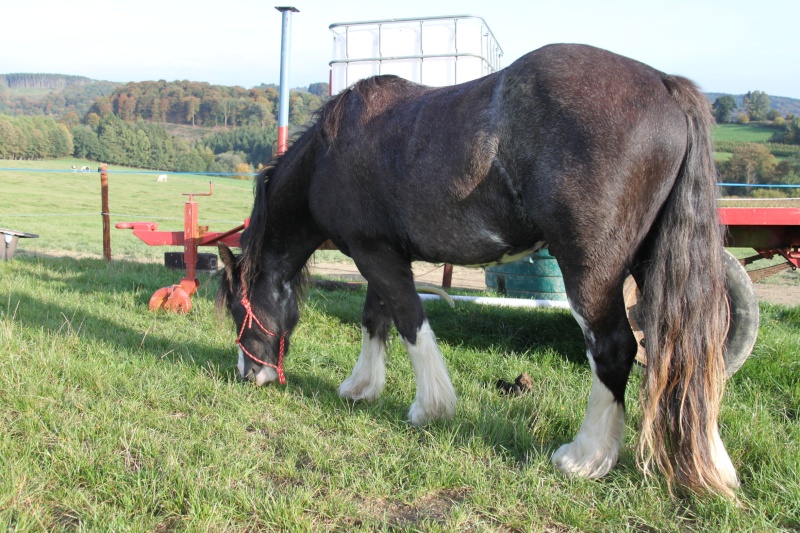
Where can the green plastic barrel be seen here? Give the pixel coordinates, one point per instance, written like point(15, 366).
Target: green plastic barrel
point(536, 277)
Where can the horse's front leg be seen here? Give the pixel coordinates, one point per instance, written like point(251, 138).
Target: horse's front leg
point(390, 276)
point(369, 375)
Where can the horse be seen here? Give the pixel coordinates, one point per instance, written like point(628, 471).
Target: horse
point(602, 159)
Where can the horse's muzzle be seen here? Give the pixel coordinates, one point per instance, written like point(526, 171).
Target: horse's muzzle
point(249, 372)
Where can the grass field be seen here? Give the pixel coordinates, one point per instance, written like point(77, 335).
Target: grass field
point(64, 208)
point(115, 418)
point(743, 133)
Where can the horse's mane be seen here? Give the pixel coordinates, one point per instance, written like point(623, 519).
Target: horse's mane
point(367, 98)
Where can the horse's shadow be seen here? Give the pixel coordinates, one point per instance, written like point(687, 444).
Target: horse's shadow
point(484, 328)
point(503, 331)
point(521, 333)
point(129, 285)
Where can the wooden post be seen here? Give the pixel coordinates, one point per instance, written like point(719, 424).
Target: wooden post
point(105, 213)
point(447, 276)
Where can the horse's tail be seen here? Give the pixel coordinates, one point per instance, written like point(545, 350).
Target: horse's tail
point(684, 318)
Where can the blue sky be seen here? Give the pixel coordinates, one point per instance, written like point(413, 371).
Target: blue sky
point(724, 45)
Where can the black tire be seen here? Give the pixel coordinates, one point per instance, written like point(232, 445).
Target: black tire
point(744, 315)
point(205, 262)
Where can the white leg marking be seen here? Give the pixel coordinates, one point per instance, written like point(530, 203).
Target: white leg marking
point(723, 461)
point(588, 336)
point(596, 447)
point(369, 375)
point(436, 397)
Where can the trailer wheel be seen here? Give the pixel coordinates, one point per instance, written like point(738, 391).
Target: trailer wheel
point(744, 315)
point(743, 312)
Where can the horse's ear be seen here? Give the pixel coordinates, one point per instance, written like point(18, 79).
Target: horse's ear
point(228, 261)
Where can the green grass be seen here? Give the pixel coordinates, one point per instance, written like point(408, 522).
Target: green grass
point(64, 209)
point(118, 419)
point(743, 133)
point(114, 418)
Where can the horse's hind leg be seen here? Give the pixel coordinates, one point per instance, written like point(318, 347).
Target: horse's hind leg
point(391, 277)
point(599, 309)
point(369, 375)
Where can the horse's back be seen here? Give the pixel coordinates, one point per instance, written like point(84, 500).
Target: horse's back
point(550, 148)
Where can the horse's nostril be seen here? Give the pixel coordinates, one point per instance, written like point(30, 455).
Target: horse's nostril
point(247, 378)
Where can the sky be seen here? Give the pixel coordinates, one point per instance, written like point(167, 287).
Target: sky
point(729, 46)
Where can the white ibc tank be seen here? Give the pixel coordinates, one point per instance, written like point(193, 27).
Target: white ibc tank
point(434, 51)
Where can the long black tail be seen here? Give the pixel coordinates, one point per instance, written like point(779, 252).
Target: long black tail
point(685, 318)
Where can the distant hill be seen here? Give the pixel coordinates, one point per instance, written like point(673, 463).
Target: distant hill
point(43, 81)
point(782, 104)
point(54, 95)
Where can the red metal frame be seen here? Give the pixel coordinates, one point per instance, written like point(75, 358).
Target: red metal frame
point(768, 230)
point(178, 297)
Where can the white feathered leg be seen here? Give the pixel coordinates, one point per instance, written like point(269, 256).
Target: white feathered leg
point(369, 375)
point(435, 397)
point(596, 446)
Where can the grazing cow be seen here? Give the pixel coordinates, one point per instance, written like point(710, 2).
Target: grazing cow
point(85, 169)
point(74, 168)
point(162, 178)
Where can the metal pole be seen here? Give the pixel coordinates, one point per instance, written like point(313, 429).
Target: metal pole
point(283, 103)
point(105, 214)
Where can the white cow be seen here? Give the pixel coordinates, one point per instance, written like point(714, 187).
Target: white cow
point(162, 178)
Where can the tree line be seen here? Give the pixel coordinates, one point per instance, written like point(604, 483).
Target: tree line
point(69, 101)
point(148, 145)
point(123, 127)
point(204, 104)
point(33, 138)
point(753, 163)
point(756, 107)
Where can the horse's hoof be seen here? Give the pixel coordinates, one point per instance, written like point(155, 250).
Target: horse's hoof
point(351, 390)
point(574, 460)
point(419, 415)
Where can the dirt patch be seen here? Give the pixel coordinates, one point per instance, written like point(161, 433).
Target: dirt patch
point(780, 293)
point(433, 508)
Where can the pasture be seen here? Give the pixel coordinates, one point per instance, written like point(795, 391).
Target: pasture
point(743, 133)
point(115, 418)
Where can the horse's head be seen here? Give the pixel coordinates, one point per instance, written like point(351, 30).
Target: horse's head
point(264, 313)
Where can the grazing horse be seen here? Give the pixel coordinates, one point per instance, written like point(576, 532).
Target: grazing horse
point(603, 159)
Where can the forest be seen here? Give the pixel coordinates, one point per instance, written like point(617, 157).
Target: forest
point(192, 126)
point(227, 129)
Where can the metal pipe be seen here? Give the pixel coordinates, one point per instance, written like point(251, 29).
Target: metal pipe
point(502, 302)
point(105, 211)
point(283, 103)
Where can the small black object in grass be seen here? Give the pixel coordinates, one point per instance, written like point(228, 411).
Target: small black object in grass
point(521, 385)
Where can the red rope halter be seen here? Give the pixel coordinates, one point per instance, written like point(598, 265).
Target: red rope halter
point(249, 317)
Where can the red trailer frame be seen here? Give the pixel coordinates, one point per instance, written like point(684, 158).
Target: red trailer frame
point(770, 231)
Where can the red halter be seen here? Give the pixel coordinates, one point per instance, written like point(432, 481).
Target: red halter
point(249, 317)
